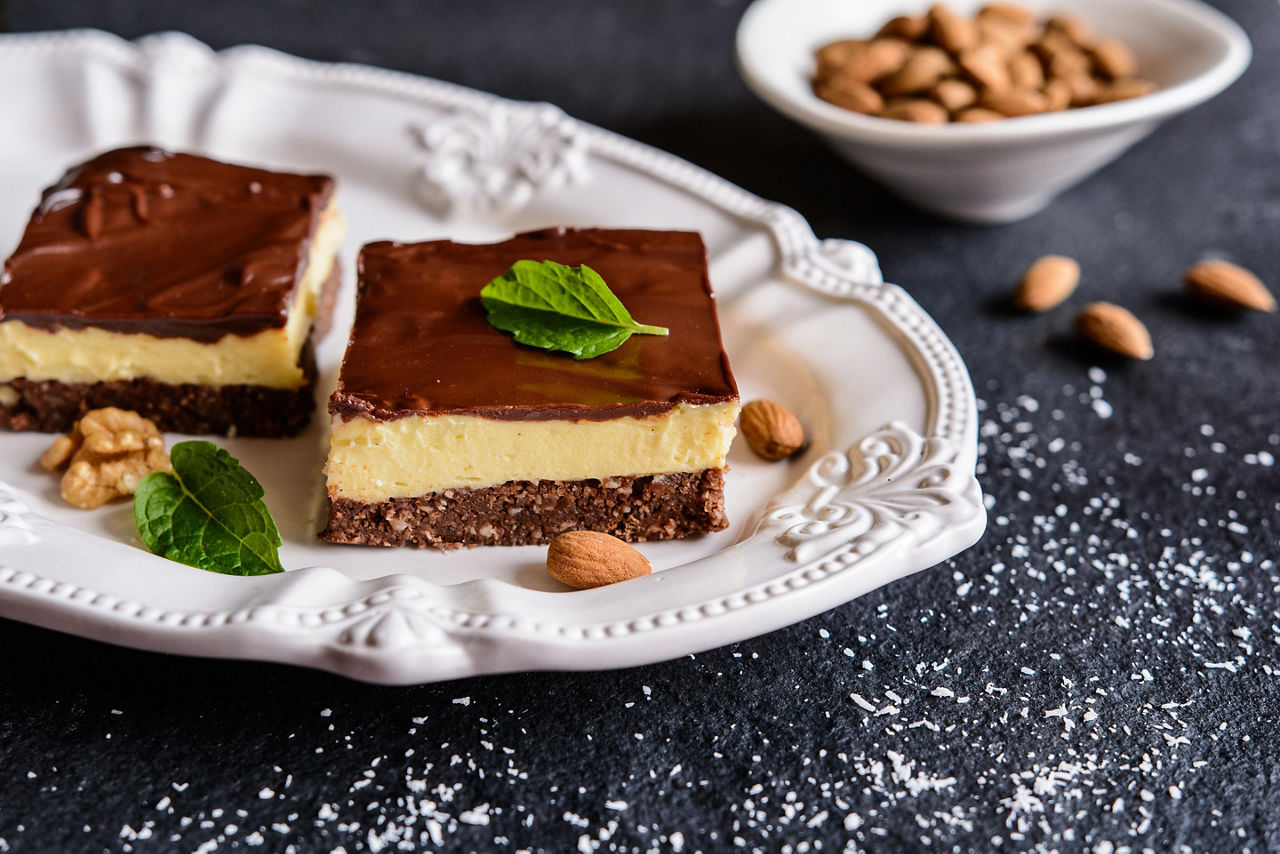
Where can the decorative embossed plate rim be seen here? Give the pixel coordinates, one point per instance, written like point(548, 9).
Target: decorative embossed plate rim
point(895, 501)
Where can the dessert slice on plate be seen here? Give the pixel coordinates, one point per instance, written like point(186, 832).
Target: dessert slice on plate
point(174, 285)
point(446, 432)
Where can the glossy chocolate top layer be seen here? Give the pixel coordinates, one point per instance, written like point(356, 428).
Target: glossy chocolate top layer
point(174, 245)
point(421, 343)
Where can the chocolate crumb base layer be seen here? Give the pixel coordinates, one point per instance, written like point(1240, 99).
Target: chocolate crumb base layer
point(525, 512)
point(240, 410)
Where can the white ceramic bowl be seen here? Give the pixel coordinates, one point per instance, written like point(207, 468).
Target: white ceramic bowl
point(1007, 170)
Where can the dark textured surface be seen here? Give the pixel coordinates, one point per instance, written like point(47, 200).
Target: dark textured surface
point(1101, 672)
point(525, 512)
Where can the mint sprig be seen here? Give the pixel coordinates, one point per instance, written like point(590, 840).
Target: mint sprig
point(556, 307)
point(207, 513)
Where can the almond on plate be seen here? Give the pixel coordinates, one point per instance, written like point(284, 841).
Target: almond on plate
point(770, 429)
point(586, 559)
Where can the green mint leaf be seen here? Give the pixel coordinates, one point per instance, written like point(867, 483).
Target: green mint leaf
point(207, 513)
point(556, 307)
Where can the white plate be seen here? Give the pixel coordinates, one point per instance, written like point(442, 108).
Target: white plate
point(886, 489)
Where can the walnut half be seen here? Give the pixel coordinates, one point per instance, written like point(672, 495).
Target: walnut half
point(108, 452)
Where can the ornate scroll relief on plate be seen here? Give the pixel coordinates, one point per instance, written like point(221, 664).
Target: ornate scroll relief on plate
point(885, 489)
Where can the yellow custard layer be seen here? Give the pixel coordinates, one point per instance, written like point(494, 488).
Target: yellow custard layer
point(377, 460)
point(268, 358)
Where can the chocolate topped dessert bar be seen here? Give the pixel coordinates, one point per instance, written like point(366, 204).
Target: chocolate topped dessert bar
point(174, 285)
point(445, 432)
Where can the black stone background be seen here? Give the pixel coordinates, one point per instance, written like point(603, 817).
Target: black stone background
point(1100, 673)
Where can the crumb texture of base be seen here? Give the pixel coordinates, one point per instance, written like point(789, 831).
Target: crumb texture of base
point(243, 410)
point(517, 513)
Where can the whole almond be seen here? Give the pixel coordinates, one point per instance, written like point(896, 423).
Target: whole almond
point(914, 110)
point(875, 59)
point(1009, 12)
point(1015, 102)
point(1002, 35)
point(831, 58)
point(1069, 63)
point(974, 115)
point(1116, 329)
point(1050, 44)
point(1057, 95)
point(838, 52)
point(1114, 59)
point(925, 67)
point(1226, 284)
point(1071, 27)
point(909, 27)
point(955, 95)
point(986, 66)
point(1084, 89)
point(770, 428)
point(586, 559)
point(1123, 90)
point(1025, 71)
point(1047, 283)
point(850, 95)
point(950, 31)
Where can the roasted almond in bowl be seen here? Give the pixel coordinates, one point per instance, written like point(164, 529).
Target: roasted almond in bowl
point(1002, 59)
point(974, 166)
